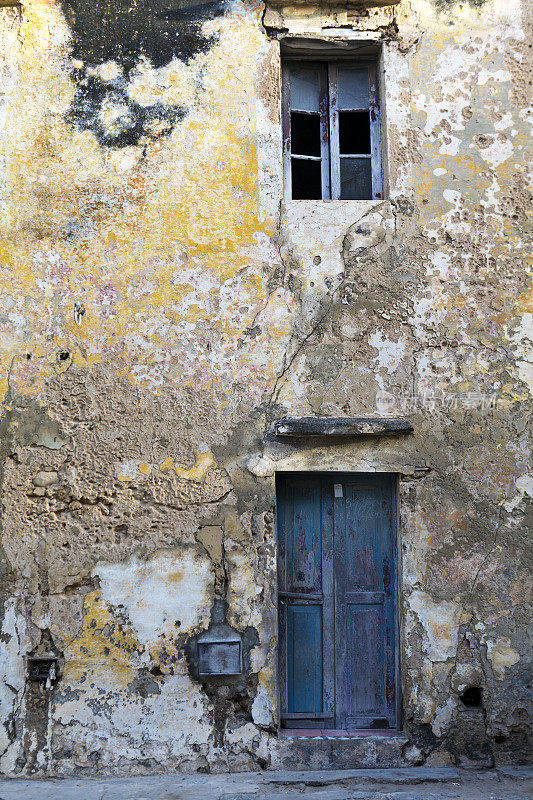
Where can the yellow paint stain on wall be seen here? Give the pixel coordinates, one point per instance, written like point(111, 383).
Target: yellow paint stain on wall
point(204, 461)
point(104, 647)
point(124, 231)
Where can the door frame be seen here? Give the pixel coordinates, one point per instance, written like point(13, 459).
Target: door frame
point(398, 611)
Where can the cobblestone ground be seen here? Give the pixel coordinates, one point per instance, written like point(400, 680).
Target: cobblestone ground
point(395, 784)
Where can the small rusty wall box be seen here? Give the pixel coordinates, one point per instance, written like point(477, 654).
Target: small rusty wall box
point(43, 668)
point(219, 657)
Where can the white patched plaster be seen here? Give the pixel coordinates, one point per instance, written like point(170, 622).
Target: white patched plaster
point(501, 655)
point(132, 469)
point(12, 679)
point(108, 72)
point(170, 586)
point(522, 339)
point(390, 353)
point(499, 151)
point(442, 262)
point(261, 466)
point(440, 622)
point(262, 708)
point(452, 196)
point(443, 717)
point(499, 75)
point(161, 725)
point(243, 590)
point(172, 84)
point(524, 486)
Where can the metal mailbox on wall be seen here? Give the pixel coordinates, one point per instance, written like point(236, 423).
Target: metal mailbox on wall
point(219, 649)
point(219, 657)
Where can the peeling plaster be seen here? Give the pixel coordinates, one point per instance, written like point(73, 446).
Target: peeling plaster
point(168, 590)
point(440, 623)
point(501, 655)
point(162, 304)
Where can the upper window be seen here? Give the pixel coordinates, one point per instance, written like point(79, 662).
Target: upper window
point(331, 131)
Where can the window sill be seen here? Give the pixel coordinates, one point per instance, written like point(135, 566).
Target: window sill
point(326, 212)
point(336, 203)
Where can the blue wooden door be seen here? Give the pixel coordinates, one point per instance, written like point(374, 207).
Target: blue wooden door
point(336, 557)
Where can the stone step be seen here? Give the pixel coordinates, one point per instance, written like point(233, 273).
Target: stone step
point(402, 776)
point(337, 752)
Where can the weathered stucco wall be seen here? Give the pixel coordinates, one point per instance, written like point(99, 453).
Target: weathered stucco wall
point(161, 306)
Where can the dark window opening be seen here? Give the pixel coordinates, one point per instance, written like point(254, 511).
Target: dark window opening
point(305, 134)
point(354, 132)
point(306, 179)
point(472, 697)
point(331, 123)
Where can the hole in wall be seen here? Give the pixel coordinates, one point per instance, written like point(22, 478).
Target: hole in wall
point(121, 529)
point(379, 723)
point(472, 697)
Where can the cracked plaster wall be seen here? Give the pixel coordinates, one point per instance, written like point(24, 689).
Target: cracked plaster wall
point(161, 305)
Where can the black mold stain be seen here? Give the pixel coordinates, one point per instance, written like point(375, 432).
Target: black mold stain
point(134, 122)
point(125, 31)
point(447, 5)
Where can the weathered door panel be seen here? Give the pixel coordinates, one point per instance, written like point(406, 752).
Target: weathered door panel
point(305, 553)
point(336, 548)
point(364, 546)
point(304, 658)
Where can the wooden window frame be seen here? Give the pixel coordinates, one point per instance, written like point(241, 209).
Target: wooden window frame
point(329, 125)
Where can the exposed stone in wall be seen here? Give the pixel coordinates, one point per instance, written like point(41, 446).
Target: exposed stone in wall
point(161, 305)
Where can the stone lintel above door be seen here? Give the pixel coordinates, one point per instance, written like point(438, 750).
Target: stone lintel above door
point(341, 426)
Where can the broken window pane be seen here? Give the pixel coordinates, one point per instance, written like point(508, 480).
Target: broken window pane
point(305, 134)
point(306, 179)
point(354, 132)
point(356, 179)
point(353, 88)
point(330, 134)
point(304, 89)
